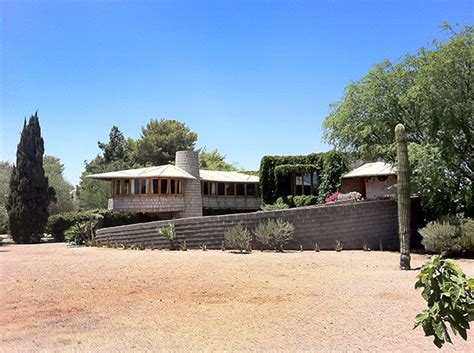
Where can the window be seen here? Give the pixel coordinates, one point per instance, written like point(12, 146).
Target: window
point(136, 186)
point(180, 186)
point(118, 183)
point(213, 188)
point(230, 189)
point(126, 187)
point(220, 189)
point(164, 186)
point(240, 189)
point(251, 189)
point(155, 186)
point(172, 186)
point(205, 188)
point(142, 186)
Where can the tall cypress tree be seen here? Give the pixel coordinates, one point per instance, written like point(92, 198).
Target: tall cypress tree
point(30, 194)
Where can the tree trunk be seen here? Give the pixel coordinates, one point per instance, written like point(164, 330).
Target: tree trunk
point(403, 182)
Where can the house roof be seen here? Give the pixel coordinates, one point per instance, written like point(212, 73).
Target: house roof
point(171, 171)
point(163, 171)
point(235, 177)
point(372, 169)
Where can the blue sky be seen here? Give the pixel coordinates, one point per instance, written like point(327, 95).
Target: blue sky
point(250, 77)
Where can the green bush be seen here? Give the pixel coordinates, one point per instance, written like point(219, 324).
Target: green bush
point(450, 298)
point(293, 201)
point(238, 237)
point(84, 231)
point(451, 236)
point(278, 205)
point(274, 233)
point(60, 222)
point(3, 225)
point(169, 233)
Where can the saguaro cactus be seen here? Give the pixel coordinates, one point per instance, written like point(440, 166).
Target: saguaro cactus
point(403, 182)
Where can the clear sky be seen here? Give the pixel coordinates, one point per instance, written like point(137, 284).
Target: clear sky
point(250, 77)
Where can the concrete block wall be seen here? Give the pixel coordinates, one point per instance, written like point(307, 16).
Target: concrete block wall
point(189, 161)
point(232, 202)
point(351, 223)
point(148, 203)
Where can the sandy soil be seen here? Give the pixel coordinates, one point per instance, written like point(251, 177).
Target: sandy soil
point(55, 298)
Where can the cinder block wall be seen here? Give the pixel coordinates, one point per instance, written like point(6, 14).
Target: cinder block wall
point(375, 221)
point(189, 161)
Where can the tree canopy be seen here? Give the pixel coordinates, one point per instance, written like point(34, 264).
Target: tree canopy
point(430, 92)
point(159, 141)
point(53, 169)
point(29, 194)
point(214, 160)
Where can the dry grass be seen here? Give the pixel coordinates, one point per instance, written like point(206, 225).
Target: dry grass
point(55, 298)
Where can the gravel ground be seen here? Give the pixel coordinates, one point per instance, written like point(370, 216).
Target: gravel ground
point(57, 298)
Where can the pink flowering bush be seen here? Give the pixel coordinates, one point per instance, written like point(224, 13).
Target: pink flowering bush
point(333, 197)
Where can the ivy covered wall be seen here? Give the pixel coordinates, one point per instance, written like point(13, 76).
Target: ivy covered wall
point(275, 170)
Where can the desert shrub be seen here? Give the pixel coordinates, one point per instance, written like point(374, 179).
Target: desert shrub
point(450, 298)
point(278, 205)
point(238, 237)
point(274, 233)
point(60, 222)
point(169, 233)
point(84, 231)
point(450, 236)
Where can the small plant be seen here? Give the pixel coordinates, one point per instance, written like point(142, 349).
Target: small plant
point(453, 235)
point(203, 246)
point(169, 233)
point(278, 205)
point(338, 246)
point(140, 246)
point(223, 245)
point(365, 245)
point(450, 297)
point(301, 247)
point(274, 233)
point(316, 247)
point(238, 237)
point(183, 246)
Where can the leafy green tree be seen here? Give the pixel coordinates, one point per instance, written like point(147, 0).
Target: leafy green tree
point(117, 149)
point(5, 172)
point(160, 140)
point(214, 160)
point(53, 169)
point(116, 155)
point(30, 194)
point(430, 93)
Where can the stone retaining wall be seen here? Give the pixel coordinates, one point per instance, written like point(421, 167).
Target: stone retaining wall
point(351, 223)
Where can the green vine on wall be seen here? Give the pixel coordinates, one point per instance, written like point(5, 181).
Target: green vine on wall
point(330, 166)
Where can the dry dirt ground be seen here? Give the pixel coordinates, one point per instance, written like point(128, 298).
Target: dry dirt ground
point(58, 298)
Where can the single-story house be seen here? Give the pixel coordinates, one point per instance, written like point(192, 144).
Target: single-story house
point(373, 180)
point(181, 190)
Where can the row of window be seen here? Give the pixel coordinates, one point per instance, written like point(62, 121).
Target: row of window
point(143, 186)
point(167, 186)
point(228, 189)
